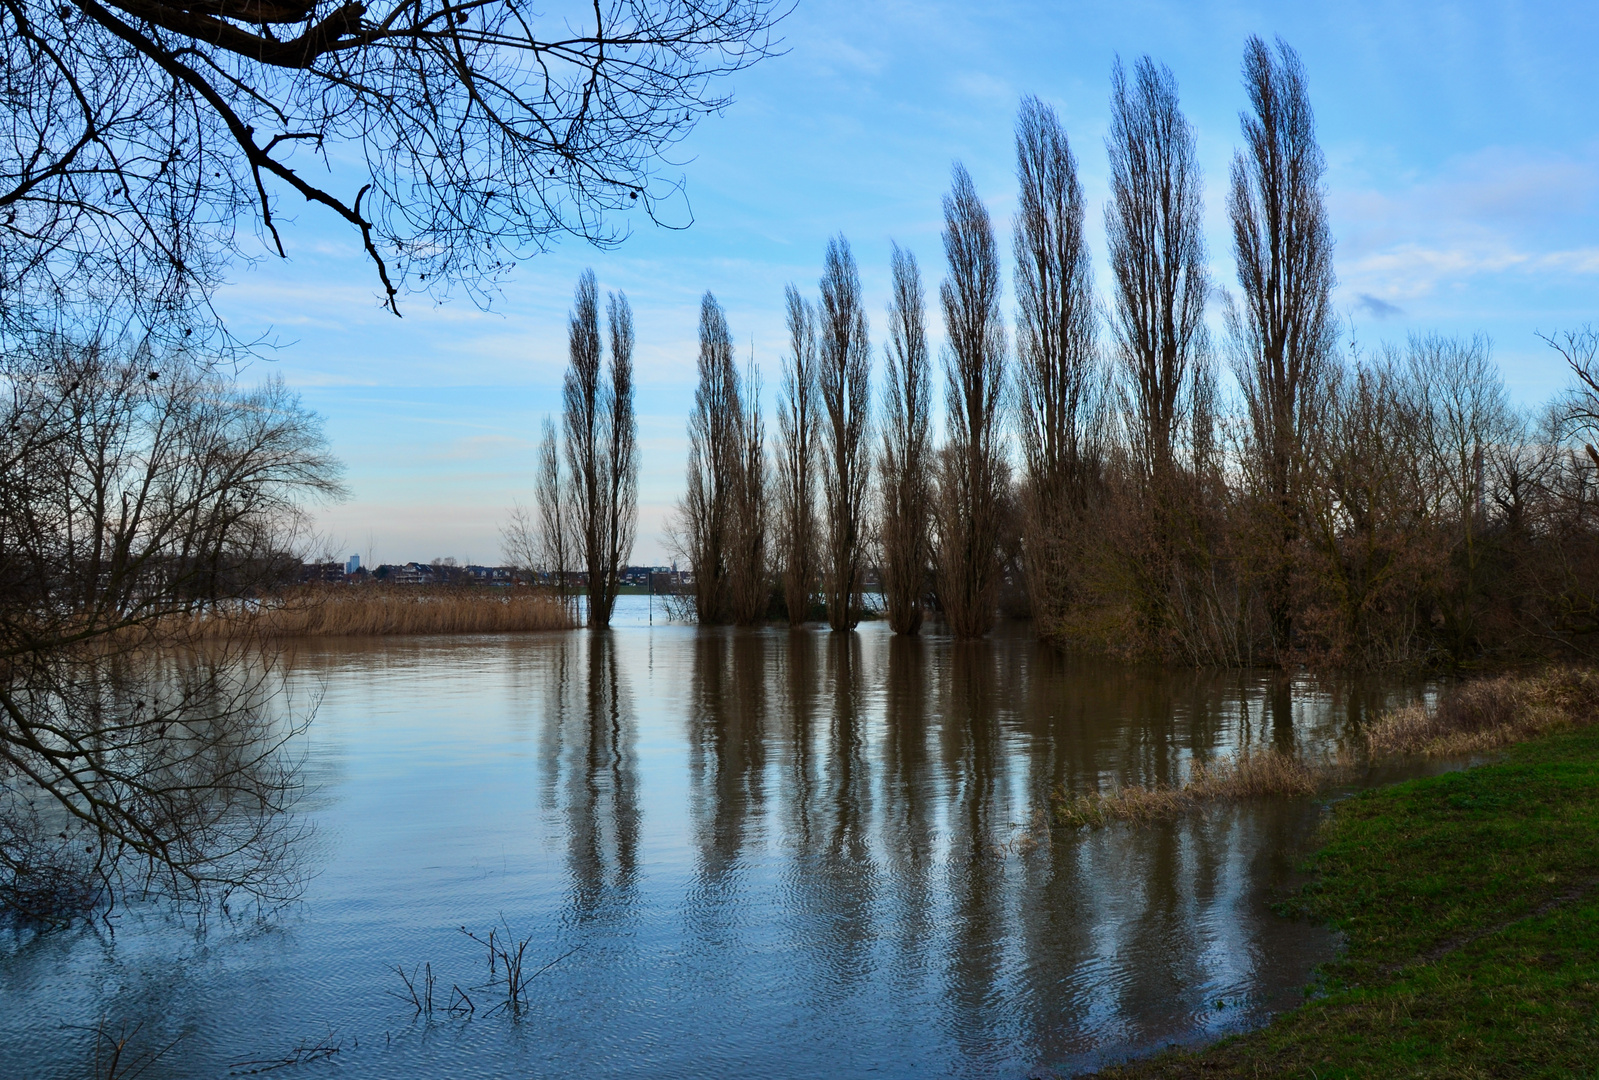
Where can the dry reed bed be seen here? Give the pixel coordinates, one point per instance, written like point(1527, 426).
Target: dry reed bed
point(1245, 776)
point(1488, 713)
point(370, 611)
point(1472, 717)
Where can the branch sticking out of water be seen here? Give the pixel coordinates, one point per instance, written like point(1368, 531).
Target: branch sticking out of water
point(119, 1057)
point(505, 966)
point(418, 988)
point(307, 1051)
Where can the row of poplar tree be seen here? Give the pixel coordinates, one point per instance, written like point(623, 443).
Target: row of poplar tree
point(946, 524)
point(1347, 509)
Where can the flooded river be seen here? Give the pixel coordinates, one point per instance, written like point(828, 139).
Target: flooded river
point(731, 854)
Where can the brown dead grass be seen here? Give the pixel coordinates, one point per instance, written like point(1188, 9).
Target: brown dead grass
point(1247, 775)
point(1471, 717)
point(1487, 714)
point(374, 611)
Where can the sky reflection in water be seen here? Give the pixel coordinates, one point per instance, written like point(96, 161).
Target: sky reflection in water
point(784, 855)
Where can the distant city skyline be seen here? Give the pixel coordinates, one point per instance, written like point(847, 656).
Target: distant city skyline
point(1463, 186)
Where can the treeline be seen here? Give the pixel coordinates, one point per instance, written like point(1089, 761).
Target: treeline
point(1342, 507)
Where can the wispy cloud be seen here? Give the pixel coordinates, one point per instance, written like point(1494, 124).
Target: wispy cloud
point(1377, 307)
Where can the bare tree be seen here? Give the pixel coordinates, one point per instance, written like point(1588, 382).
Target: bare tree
point(552, 496)
point(703, 531)
point(143, 498)
point(141, 133)
point(583, 419)
point(749, 583)
point(905, 464)
point(621, 519)
point(1060, 401)
point(1580, 407)
point(1461, 415)
point(796, 426)
point(1154, 230)
point(973, 477)
point(1284, 332)
point(844, 360)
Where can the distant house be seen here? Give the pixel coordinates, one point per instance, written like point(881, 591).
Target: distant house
point(330, 573)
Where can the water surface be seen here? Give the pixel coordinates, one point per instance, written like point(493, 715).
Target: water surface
point(761, 854)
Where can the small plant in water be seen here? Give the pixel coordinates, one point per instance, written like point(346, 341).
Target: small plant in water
point(505, 966)
point(418, 988)
point(118, 1056)
point(507, 978)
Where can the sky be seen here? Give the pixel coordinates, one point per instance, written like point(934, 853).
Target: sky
point(1462, 147)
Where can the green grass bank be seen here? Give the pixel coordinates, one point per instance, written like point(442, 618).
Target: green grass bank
point(1470, 906)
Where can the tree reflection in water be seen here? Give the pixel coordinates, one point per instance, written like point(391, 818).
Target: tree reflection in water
point(786, 853)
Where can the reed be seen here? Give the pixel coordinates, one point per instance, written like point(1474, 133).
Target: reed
point(1486, 714)
point(376, 611)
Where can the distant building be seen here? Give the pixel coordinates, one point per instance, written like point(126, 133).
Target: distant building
point(351, 565)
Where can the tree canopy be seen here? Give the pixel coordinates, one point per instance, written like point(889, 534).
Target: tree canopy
point(144, 139)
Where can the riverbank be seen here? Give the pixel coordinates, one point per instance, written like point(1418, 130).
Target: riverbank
point(376, 611)
point(1470, 906)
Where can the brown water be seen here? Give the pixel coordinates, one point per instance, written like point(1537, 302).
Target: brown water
point(776, 854)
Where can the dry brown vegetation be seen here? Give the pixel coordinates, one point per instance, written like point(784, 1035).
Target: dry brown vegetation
point(375, 611)
point(1247, 775)
point(1489, 713)
point(1470, 717)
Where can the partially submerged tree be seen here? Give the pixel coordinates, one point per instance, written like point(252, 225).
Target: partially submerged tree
point(1283, 331)
point(1058, 381)
point(749, 582)
point(144, 499)
point(797, 420)
point(844, 361)
point(600, 444)
point(905, 463)
point(554, 543)
point(973, 476)
point(141, 134)
point(1155, 232)
point(583, 419)
point(621, 511)
point(703, 530)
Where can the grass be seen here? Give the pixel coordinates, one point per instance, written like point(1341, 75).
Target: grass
point(372, 610)
point(1470, 908)
point(1244, 776)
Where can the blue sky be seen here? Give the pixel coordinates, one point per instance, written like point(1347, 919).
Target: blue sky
point(1463, 188)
